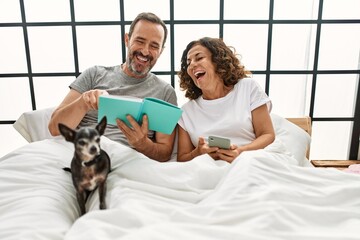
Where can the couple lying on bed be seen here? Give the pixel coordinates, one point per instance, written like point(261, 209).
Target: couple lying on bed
point(224, 101)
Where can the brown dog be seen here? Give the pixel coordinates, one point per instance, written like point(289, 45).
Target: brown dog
point(90, 165)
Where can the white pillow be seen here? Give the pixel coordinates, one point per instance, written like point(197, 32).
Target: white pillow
point(295, 139)
point(33, 125)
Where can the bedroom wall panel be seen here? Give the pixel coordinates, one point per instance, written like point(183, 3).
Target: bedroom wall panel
point(304, 9)
point(335, 95)
point(44, 90)
point(342, 54)
point(291, 46)
point(252, 48)
point(98, 45)
point(289, 94)
point(10, 11)
point(346, 9)
point(47, 11)
point(195, 12)
point(12, 57)
point(159, 7)
point(331, 140)
point(18, 99)
point(51, 49)
point(97, 10)
point(255, 9)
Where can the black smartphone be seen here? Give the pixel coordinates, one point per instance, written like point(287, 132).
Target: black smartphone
point(221, 142)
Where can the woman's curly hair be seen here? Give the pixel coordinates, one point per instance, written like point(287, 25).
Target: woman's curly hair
point(226, 62)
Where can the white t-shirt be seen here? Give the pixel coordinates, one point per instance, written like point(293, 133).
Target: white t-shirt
point(229, 116)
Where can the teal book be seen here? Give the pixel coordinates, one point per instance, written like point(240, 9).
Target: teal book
point(162, 116)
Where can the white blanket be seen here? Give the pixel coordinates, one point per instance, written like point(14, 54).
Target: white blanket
point(264, 194)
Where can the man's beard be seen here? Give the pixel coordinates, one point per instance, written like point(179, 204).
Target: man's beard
point(132, 64)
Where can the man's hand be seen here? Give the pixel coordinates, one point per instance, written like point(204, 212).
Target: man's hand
point(91, 98)
point(136, 135)
point(158, 149)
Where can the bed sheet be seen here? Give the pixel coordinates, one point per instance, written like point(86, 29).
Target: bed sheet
point(264, 194)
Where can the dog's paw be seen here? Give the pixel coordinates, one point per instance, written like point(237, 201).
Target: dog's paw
point(102, 206)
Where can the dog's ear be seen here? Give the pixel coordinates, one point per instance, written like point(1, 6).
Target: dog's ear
point(67, 132)
point(101, 125)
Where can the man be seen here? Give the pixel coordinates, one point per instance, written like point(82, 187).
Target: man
point(145, 43)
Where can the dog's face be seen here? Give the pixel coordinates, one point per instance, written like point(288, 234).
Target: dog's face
point(87, 143)
point(86, 140)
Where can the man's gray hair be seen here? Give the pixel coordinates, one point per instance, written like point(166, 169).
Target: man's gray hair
point(150, 17)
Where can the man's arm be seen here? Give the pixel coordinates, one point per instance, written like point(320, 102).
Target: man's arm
point(137, 135)
point(73, 108)
point(159, 150)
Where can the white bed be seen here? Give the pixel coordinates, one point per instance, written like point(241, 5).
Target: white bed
point(266, 194)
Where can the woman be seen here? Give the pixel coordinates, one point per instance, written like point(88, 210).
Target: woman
point(224, 102)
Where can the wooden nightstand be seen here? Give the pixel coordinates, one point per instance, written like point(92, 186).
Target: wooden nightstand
point(339, 164)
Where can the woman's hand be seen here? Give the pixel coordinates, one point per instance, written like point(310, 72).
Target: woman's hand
point(203, 148)
point(229, 155)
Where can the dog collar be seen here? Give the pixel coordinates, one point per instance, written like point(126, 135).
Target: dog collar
point(92, 162)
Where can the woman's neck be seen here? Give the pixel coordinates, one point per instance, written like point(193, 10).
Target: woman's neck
point(217, 93)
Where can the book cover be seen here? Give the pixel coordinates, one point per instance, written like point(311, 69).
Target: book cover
point(162, 116)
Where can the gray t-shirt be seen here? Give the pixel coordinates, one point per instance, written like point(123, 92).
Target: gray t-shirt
point(116, 82)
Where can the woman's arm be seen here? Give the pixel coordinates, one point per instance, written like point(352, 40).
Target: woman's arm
point(263, 127)
point(264, 135)
point(187, 151)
